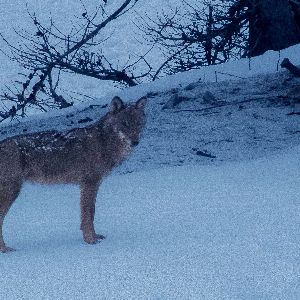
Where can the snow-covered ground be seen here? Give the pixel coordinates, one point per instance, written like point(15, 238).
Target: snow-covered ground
point(226, 232)
point(207, 207)
point(179, 225)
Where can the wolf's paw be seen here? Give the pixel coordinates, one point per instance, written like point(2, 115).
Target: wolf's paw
point(5, 249)
point(93, 239)
point(99, 237)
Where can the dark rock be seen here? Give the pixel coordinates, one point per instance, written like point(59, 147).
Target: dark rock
point(209, 98)
point(205, 154)
point(174, 101)
point(85, 120)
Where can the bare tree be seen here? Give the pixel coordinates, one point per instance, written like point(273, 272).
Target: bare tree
point(48, 52)
point(194, 36)
point(273, 25)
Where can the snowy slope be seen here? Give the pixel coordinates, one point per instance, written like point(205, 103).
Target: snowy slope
point(247, 119)
point(228, 232)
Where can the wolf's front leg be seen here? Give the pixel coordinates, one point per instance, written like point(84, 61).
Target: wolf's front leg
point(9, 191)
point(88, 194)
point(3, 247)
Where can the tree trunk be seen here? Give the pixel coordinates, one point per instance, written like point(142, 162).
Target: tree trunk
point(272, 26)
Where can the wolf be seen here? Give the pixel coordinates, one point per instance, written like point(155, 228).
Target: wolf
point(82, 156)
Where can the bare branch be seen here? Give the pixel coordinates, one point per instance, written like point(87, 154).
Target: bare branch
point(289, 66)
point(50, 49)
point(193, 37)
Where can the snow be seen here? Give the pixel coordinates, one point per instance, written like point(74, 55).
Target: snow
point(227, 232)
point(178, 225)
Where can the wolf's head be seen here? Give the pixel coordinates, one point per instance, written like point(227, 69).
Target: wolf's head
point(127, 120)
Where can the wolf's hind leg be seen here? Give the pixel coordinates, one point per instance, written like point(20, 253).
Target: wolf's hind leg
point(9, 191)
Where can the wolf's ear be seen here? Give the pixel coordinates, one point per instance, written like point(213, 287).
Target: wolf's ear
point(141, 103)
point(116, 104)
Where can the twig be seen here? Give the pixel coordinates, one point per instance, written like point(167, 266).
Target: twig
point(231, 75)
point(222, 105)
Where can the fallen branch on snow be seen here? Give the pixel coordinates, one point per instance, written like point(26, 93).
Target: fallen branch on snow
point(223, 104)
point(289, 66)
